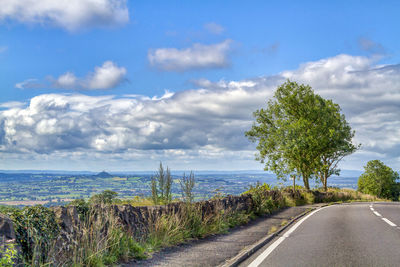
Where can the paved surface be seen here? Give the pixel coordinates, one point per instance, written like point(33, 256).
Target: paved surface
point(215, 250)
point(341, 235)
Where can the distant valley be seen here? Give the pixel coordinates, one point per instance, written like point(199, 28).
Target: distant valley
point(51, 188)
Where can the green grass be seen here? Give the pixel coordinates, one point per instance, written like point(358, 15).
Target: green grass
point(103, 240)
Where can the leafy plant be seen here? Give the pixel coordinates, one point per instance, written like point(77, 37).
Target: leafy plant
point(161, 185)
point(8, 255)
point(187, 184)
point(36, 230)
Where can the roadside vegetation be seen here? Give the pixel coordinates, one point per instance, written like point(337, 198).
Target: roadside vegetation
point(103, 241)
point(379, 180)
point(299, 135)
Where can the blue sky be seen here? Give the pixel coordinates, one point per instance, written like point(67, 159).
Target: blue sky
point(118, 85)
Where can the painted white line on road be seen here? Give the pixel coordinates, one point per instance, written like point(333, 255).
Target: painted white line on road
point(370, 206)
point(389, 222)
point(274, 245)
point(377, 214)
point(371, 209)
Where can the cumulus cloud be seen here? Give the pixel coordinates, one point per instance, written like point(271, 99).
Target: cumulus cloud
point(71, 15)
point(214, 28)
point(207, 123)
point(108, 76)
point(198, 56)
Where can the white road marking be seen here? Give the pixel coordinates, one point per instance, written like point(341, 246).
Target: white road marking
point(274, 245)
point(384, 219)
point(377, 214)
point(389, 222)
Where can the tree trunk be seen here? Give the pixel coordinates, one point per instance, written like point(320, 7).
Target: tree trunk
point(306, 184)
point(325, 183)
point(294, 183)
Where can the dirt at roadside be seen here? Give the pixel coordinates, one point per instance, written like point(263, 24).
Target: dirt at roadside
point(215, 250)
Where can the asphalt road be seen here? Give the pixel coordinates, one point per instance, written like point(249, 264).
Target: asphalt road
point(366, 234)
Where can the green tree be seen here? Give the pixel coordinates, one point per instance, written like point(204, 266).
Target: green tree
point(106, 197)
point(379, 180)
point(300, 133)
point(334, 141)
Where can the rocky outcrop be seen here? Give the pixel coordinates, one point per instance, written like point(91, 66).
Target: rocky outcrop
point(70, 228)
point(7, 233)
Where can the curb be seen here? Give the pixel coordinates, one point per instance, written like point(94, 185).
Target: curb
point(248, 251)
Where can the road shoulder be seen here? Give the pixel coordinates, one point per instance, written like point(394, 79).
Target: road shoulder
point(224, 249)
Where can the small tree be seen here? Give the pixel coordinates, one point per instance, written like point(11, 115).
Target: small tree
point(379, 180)
point(334, 142)
point(161, 186)
point(300, 133)
point(187, 184)
point(287, 131)
point(106, 197)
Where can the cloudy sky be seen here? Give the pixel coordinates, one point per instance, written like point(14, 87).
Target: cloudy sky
point(118, 85)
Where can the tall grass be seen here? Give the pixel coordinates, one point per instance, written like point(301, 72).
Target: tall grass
point(102, 240)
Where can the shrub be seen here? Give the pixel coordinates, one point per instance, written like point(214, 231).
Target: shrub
point(8, 256)
point(104, 198)
point(379, 180)
point(36, 230)
point(187, 184)
point(161, 186)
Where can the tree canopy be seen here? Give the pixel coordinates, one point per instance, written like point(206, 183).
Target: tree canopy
point(300, 133)
point(379, 180)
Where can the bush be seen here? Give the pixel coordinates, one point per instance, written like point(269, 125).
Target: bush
point(379, 180)
point(8, 256)
point(104, 198)
point(262, 200)
point(36, 230)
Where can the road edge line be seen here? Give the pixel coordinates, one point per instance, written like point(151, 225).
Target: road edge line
point(248, 251)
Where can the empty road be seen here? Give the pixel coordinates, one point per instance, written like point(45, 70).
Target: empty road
point(366, 234)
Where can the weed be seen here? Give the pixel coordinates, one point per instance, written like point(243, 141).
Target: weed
point(273, 229)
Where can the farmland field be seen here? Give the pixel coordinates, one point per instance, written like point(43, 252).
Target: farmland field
point(55, 189)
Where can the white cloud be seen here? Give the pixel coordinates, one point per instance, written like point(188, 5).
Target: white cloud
point(29, 83)
point(67, 80)
point(68, 14)
point(205, 124)
point(108, 76)
point(198, 56)
point(214, 28)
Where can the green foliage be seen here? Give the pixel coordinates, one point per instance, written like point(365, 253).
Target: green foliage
point(8, 255)
point(103, 240)
point(263, 203)
point(36, 229)
point(161, 186)
point(300, 133)
point(104, 198)
point(379, 180)
point(187, 184)
point(82, 207)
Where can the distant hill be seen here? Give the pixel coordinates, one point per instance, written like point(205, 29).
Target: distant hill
point(104, 174)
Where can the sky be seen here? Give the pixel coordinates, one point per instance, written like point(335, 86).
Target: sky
point(122, 85)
